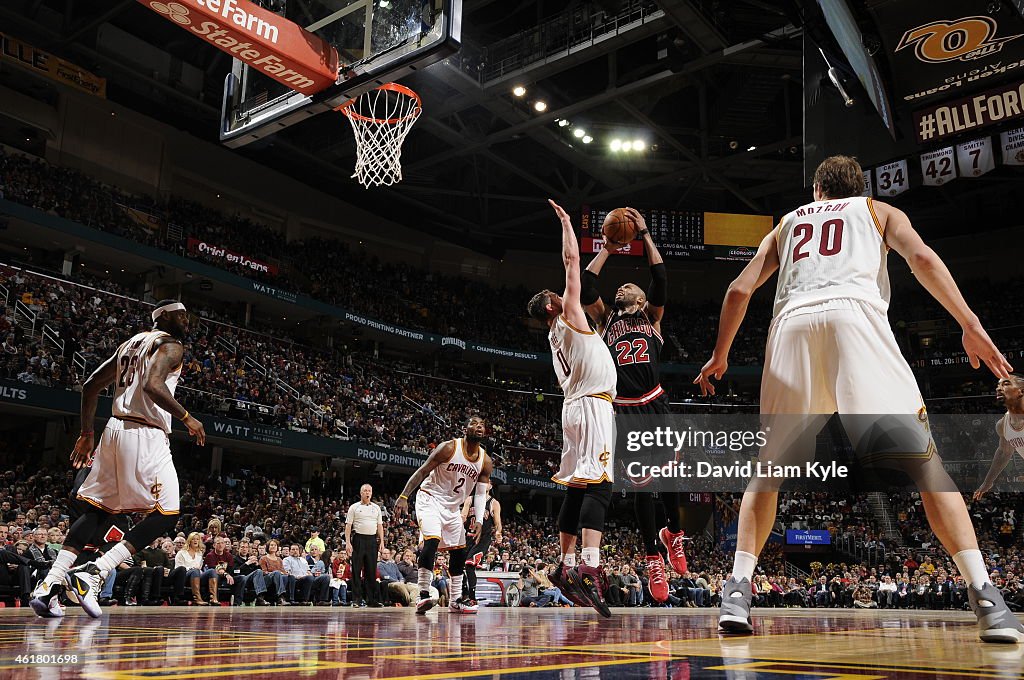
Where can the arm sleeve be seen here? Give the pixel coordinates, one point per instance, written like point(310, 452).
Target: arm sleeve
point(589, 294)
point(479, 502)
point(657, 293)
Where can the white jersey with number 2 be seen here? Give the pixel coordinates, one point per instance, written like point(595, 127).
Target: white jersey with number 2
point(829, 250)
point(451, 482)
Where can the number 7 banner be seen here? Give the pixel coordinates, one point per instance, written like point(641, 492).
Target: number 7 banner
point(975, 158)
point(938, 167)
point(892, 179)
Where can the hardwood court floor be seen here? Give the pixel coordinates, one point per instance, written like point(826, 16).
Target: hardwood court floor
point(517, 644)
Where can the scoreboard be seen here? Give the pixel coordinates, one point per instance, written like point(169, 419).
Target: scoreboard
point(686, 234)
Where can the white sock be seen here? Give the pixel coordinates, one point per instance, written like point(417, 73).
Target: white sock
point(569, 559)
point(591, 557)
point(456, 588)
point(424, 576)
point(972, 566)
point(59, 568)
point(113, 557)
point(743, 566)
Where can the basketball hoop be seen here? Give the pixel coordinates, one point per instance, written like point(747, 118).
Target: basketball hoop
point(381, 118)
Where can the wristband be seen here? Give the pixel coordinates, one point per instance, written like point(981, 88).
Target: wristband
point(643, 232)
point(402, 495)
point(184, 417)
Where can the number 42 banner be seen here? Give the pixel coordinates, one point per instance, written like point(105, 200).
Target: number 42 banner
point(891, 179)
point(938, 167)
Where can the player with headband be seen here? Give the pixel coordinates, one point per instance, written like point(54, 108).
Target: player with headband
point(132, 470)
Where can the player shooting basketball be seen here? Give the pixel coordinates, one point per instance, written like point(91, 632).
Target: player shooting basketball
point(631, 329)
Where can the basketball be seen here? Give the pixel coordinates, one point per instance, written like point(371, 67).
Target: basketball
point(619, 227)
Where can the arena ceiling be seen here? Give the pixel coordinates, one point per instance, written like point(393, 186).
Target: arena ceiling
point(713, 89)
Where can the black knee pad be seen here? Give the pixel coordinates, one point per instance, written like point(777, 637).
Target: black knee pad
point(457, 561)
point(146, 531)
point(569, 515)
point(596, 499)
point(429, 553)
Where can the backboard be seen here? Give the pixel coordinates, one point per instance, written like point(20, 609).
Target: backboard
point(378, 41)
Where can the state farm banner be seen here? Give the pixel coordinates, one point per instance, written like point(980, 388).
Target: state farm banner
point(975, 158)
point(1012, 143)
point(215, 252)
point(945, 47)
point(892, 178)
point(968, 114)
point(274, 46)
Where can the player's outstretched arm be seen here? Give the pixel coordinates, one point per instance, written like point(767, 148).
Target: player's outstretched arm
point(101, 378)
point(590, 296)
point(734, 308)
point(657, 292)
point(931, 272)
point(441, 453)
point(1002, 457)
point(572, 308)
point(168, 356)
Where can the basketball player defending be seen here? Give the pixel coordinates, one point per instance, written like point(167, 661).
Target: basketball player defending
point(132, 470)
point(586, 374)
point(632, 331)
point(452, 472)
point(482, 534)
point(831, 349)
point(1009, 429)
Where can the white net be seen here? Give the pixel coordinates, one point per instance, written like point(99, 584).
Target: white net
point(381, 118)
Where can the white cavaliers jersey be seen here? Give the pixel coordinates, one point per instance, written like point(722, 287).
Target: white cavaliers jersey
point(1013, 436)
point(583, 364)
point(829, 250)
point(131, 401)
point(452, 482)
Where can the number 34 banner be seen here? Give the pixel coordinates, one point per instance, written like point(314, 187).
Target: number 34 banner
point(891, 179)
point(938, 167)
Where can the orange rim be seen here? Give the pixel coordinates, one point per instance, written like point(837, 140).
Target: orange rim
point(391, 87)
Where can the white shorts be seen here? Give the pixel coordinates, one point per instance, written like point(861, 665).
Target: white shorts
point(440, 520)
point(588, 442)
point(841, 356)
point(132, 471)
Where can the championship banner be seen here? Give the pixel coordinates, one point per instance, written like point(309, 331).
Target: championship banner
point(970, 113)
point(893, 178)
point(975, 158)
point(869, 187)
point(938, 167)
point(214, 252)
point(945, 47)
point(45, 64)
point(1012, 143)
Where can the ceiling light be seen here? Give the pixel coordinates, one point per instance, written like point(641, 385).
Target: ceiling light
point(751, 147)
point(616, 144)
point(562, 122)
point(578, 133)
point(519, 90)
point(639, 145)
point(587, 139)
point(540, 106)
